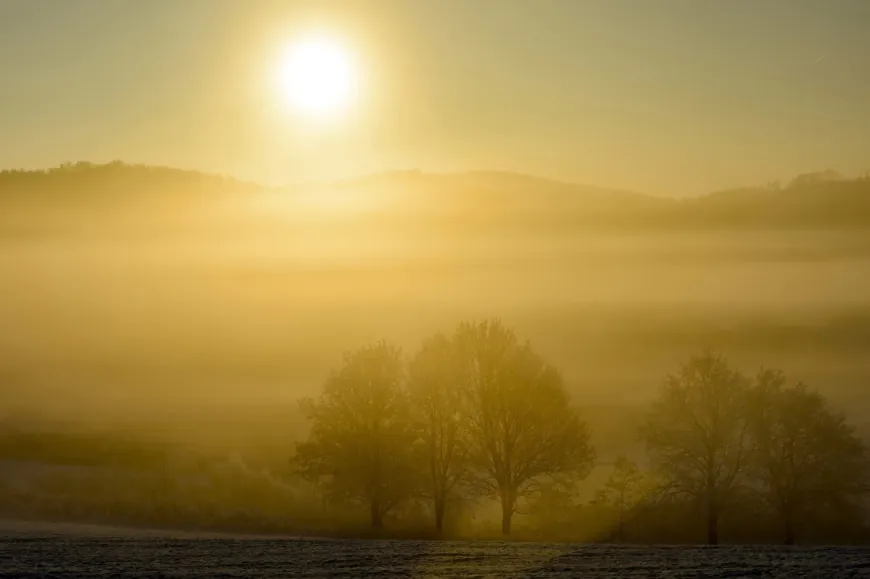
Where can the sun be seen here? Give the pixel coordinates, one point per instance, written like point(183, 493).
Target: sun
point(317, 77)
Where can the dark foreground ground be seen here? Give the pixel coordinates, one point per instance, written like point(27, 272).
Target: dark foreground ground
point(72, 551)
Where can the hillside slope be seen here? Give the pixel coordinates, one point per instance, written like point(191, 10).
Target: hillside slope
point(474, 201)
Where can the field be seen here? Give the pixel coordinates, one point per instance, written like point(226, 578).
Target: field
point(66, 551)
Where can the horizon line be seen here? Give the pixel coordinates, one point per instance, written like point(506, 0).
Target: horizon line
point(361, 177)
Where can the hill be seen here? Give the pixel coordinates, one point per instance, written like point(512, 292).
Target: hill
point(475, 201)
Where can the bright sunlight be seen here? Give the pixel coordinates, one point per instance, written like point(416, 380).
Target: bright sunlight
point(317, 77)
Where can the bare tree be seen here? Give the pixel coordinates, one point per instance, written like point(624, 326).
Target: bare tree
point(623, 491)
point(523, 429)
point(435, 380)
point(554, 511)
point(805, 455)
point(696, 434)
point(361, 433)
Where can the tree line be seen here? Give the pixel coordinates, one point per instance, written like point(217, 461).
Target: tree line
point(479, 413)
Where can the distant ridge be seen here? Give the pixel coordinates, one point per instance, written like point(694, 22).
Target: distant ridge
point(825, 199)
point(93, 173)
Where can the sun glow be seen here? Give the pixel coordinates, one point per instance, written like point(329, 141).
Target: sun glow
point(318, 77)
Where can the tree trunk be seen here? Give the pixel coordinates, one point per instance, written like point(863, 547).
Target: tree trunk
point(506, 514)
point(712, 502)
point(377, 521)
point(439, 514)
point(712, 525)
point(507, 511)
point(788, 527)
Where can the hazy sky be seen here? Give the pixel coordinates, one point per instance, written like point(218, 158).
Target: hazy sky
point(664, 96)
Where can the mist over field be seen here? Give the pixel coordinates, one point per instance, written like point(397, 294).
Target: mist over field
point(153, 310)
point(132, 292)
point(430, 289)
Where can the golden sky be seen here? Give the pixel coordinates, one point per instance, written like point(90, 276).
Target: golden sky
point(664, 96)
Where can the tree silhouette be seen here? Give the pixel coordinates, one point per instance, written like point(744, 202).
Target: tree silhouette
point(435, 387)
point(554, 511)
point(523, 429)
point(623, 491)
point(804, 455)
point(696, 433)
point(361, 438)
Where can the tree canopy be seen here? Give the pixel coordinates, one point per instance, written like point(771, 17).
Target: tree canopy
point(697, 434)
point(480, 410)
point(362, 435)
point(805, 456)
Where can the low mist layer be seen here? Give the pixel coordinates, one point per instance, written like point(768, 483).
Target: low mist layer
point(195, 311)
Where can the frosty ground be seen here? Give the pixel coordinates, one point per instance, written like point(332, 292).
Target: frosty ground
point(52, 550)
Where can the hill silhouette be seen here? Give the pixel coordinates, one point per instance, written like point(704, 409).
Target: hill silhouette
point(476, 200)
